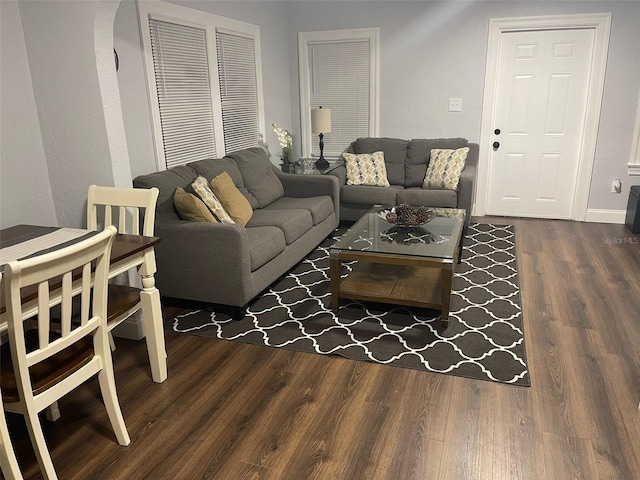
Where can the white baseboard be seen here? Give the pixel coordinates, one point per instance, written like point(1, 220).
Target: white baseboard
point(132, 328)
point(595, 215)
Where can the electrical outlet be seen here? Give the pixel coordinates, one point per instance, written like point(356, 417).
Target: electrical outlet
point(455, 104)
point(616, 186)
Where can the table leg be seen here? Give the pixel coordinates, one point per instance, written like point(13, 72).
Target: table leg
point(334, 275)
point(445, 295)
point(154, 333)
point(53, 412)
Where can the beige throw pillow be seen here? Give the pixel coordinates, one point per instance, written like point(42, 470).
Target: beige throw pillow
point(366, 169)
point(445, 167)
point(191, 208)
point(234, 202)
point(202, 189)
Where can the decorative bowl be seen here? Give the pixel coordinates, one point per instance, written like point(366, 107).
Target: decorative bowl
point(389, 215)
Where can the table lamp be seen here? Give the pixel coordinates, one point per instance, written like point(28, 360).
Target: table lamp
point(321, 124)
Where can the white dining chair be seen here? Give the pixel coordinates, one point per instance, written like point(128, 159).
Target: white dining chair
point(8, 461)
point(44, 364)
point(124, 208)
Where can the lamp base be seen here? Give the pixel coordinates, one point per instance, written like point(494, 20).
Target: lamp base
point(322, 164)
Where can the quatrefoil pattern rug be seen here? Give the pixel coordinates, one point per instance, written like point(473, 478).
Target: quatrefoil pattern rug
point(484, 340)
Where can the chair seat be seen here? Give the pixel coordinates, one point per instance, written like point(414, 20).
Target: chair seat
point(47, 373)
point(121, 298)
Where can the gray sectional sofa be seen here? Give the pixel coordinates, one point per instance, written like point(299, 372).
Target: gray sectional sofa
point(406, 163)
point(229, 264)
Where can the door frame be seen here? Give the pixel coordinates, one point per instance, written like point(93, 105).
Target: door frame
point(601, 23)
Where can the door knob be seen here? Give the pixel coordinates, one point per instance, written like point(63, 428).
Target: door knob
point(497, 131)
point(496, 145)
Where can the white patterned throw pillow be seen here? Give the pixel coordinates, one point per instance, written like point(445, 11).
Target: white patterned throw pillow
point(366, 169)
point(202, 189)
point(445, 167)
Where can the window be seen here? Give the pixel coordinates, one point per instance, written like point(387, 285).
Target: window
point(204, 83)
point(339, 70)
point(238, 90)
point(183, 92)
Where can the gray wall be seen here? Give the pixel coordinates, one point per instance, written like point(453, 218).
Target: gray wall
point(26, 195)
point(430, 51)
point(60, 126)
point(69, 50)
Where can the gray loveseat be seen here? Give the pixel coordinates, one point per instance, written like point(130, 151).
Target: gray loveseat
point(229, 264)
point(406, 164)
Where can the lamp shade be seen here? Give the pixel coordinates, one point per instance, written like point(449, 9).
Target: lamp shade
point(321, 120)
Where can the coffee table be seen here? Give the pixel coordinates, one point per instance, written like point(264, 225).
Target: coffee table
point(410, 266)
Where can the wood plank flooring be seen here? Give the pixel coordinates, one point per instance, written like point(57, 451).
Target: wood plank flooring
point(234, 411)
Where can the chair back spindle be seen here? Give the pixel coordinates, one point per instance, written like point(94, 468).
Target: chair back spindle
point(127, 204)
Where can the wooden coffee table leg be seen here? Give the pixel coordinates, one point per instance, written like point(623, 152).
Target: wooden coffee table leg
point(447, 281)
point(334, 275)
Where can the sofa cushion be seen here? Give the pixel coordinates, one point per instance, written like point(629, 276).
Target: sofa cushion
point(236, 204)
point(366, 195)
point(258, 175)
point(395, 153)
point(265, 243)
point(201, 188)
point(213, 167)
point(191, 208)
point(429, 198)
point(445, 168)
point(293, 222)
point(419, 153)
point(320, 207)
point(366, 169)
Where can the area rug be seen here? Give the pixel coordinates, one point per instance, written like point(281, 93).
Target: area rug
point(484, 340)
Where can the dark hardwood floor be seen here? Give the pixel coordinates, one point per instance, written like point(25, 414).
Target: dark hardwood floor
point(235, 411)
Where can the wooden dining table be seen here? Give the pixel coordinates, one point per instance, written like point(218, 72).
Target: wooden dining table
point(127, 252)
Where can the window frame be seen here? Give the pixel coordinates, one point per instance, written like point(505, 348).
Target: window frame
point(211, 23)
point(327, 36)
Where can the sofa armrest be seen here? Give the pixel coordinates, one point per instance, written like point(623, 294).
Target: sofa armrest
point(296, 185)
point(340, 173)
point(466, 187)
point(201, 261)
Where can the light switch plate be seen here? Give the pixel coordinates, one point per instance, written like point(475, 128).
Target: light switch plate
point(455, 104)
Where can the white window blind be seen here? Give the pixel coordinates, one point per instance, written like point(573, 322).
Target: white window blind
point(238, 90)
point(339, 79)
point(339, 70)
point(183, 84)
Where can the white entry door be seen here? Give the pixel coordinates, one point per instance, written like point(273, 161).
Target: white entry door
point(539, 119)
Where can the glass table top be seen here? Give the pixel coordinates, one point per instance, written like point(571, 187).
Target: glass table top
point(437, 238)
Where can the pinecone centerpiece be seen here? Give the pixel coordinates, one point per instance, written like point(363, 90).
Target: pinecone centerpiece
point(408, 216)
